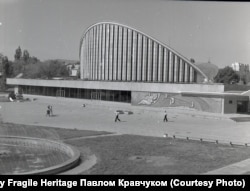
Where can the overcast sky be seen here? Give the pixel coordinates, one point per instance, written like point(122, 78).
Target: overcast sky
point(51, 29)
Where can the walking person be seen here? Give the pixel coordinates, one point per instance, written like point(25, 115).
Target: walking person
point(50, 109)
point(165, 117)
point(117, 116)
point(48, 112)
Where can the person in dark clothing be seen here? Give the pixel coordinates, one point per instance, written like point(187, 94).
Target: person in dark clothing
point(117, 116)
point(50, 109)
point(48, 112)
point(165, 117)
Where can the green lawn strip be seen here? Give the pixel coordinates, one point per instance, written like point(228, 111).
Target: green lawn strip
point(131, 154)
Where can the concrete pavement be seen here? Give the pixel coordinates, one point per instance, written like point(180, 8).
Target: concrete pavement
point(99, 116)
point(146, 121)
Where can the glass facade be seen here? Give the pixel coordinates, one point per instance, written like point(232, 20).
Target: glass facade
point(93, 94)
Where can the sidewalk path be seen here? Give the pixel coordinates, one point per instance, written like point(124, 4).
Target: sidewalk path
point(241, 167)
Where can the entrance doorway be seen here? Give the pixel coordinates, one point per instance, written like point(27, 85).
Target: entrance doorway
point(242, 106)
point(60, 93)
point(95, 95)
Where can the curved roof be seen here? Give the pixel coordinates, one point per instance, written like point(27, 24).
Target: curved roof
point(153, 39)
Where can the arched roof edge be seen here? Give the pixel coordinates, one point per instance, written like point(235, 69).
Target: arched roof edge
point(142, 33)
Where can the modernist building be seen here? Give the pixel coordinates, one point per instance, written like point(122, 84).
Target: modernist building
point(113, 52)
point(119, 63)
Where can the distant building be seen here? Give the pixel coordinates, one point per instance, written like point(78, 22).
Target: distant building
point(74, 69)
point(239, 67)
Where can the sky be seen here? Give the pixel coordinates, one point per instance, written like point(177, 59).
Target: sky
point(213, 31)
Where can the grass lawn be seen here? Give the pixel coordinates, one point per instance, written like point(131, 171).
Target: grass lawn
point(132, 154)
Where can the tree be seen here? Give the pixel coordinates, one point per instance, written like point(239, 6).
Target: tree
point(18, 53)
point(4, 71)
point(227, 76)
point(33, 60)
point(26, 55)
point(32, 71)
point(192, 60)
point(46, 70)
point(1, 56)
point(6, 67)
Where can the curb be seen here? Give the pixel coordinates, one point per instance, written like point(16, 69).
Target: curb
point(216, 141)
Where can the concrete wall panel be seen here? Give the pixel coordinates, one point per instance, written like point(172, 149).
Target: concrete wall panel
point(181, 71)
point(155, 62)
point(165, 65)
point(120, 46)
point(144, 59)
point(150, 64)
point(171, 68)
point(124, 56)
point(129, 57)
point(139, 58)
point(160, 65)
point(111, 52)
point(187, 73)
point(134, 57)
point(107, 52)
point(176, 68)
point(155, 99)
point(115, 57)
point(103, 52)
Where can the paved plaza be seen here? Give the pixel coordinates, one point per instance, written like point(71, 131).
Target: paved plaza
point(147, 121)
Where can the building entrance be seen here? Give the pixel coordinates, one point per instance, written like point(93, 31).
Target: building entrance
point(95, 95)
point(242, 106)
point(60, 93)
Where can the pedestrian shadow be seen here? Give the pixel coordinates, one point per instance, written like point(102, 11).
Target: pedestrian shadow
point(53, 115)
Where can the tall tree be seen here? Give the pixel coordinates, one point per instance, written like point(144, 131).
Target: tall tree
point(6, 66)
point(26, 55)
point(48, 70)
point(5, 71)
point(227, 76)
point(18, 53)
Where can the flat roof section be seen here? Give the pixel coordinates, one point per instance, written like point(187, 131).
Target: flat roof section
point(214, 94)
point(122, 86)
